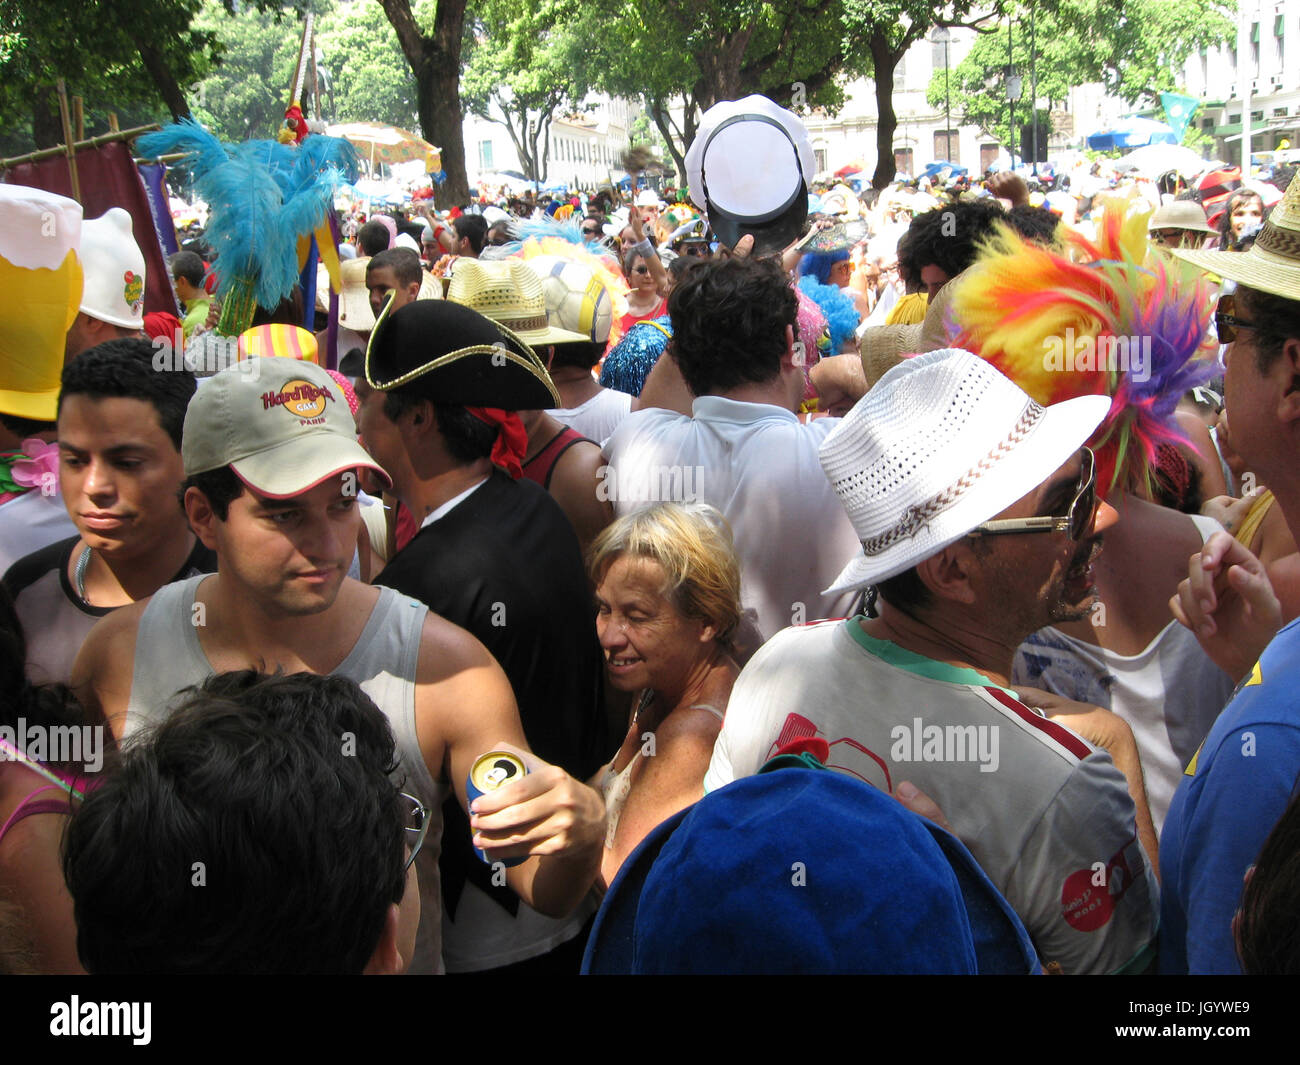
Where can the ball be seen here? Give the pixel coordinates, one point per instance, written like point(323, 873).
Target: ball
point(576, 299)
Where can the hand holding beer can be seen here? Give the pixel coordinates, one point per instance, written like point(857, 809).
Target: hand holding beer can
point(492, 771)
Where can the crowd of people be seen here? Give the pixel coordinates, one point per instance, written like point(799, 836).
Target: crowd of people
point(783, 580)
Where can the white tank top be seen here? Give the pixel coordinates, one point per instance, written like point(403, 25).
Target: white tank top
point(383, 662)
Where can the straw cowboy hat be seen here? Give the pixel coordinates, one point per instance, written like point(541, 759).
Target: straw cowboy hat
point(510, 293)
point(883, 347)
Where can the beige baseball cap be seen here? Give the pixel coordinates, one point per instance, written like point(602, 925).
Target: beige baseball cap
point(283, 425)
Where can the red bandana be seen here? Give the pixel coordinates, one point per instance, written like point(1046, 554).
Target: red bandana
point(512, 441)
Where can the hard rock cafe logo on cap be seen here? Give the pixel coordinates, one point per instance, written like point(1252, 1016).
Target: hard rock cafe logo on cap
point(132, 289)
point(300, 398)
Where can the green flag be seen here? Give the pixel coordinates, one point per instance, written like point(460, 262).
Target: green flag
point(1178, 111)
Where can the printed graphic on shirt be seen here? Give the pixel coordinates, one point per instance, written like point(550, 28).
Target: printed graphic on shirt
point(1089, 896)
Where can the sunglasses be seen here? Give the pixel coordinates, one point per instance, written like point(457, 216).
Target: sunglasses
point(416, 828)
point(1226, 322)
point(1172, 238)
point(641, 270)
point(590, 232)
point(1076, 521)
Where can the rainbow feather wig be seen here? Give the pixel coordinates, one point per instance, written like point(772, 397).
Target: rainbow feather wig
point(1110, 318)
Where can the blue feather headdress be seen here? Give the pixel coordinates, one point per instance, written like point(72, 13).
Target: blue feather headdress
point(262, 197)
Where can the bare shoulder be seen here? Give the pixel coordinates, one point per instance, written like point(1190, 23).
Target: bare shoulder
point(686, 733)
point(447, 651)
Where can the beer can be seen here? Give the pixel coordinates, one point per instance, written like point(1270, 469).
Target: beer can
point(490, 772)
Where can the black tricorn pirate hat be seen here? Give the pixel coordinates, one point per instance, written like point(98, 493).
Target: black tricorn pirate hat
point(455, 355)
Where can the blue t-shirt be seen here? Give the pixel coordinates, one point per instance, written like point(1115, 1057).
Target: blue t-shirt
point(1232, 794)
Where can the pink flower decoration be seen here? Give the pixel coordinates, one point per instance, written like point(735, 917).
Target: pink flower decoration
point(42, 460)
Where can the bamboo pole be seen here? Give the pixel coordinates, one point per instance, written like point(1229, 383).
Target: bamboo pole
point(78, 118)
point(92, 142)
point(69, 142)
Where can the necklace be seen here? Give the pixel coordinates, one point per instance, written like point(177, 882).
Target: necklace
point(80, 574)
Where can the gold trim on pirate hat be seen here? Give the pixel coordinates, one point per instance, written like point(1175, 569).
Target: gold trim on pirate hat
point(458, 356)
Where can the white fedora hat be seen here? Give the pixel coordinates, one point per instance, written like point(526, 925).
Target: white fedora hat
point(941, 444)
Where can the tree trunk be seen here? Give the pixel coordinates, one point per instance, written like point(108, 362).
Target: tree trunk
point(660, 114)
point(720, 70)
point(545, 154)
point(883, 61)
point(47, 128)
point(164, 81)
point(435, 62)
point(437, 88)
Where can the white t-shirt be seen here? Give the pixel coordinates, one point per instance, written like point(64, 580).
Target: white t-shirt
point(599, 416)
point(757, 464)
point(1047, 815)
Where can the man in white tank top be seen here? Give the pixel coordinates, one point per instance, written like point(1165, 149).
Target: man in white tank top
point(271, 461)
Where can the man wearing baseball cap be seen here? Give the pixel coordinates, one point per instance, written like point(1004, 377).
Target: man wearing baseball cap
point(977, 513)
point(112, 305)
point(1241, 780)
point(272, 459)
point(494, 552)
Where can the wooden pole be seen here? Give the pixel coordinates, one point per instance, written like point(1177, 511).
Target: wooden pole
point(69, 142)
point(92, 142)
point(112, 122)
point(78, 118)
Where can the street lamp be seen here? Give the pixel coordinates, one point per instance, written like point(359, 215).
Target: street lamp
point(1013, 88)
point(943, 36)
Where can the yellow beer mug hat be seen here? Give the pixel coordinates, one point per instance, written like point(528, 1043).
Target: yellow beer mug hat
point(41, 280)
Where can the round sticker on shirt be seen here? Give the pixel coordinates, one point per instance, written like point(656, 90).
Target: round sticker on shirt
point(1085, 905)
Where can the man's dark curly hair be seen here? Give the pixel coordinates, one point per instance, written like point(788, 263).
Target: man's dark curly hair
point(280, 787)
point(949, 237)
point(729, 320)
point(124, 368)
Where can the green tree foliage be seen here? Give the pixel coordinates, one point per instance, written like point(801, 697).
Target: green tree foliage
point(879, 35)
point(683, 56)
point(128, 56)
point(523, 68)
point(1137, 51)
point(246, 95)
point(364, 76)
point(369, 78)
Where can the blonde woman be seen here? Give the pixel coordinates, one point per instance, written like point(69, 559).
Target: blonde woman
point(668, 604)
